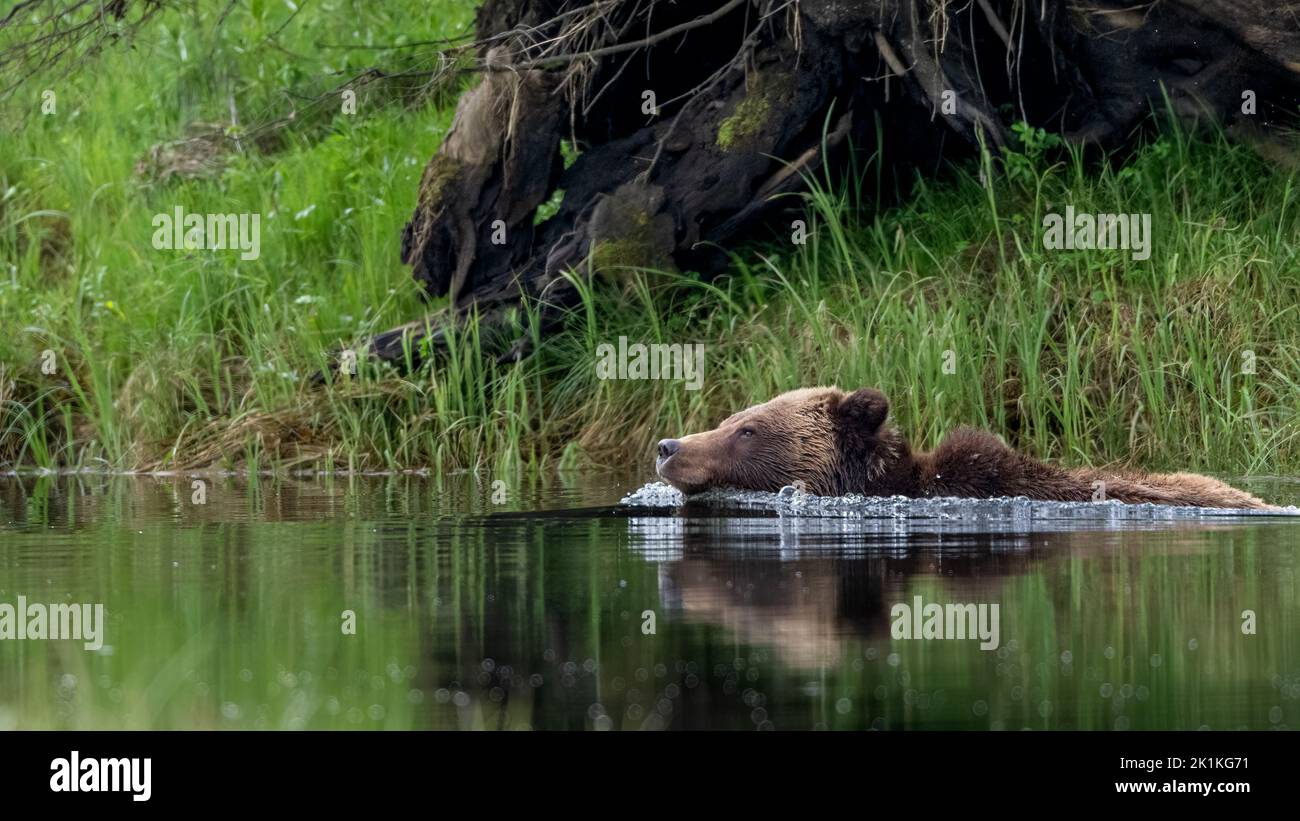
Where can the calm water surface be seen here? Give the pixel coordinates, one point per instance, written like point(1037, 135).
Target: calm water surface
point(532, 611)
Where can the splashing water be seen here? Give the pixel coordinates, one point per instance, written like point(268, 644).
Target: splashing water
point(791, 501)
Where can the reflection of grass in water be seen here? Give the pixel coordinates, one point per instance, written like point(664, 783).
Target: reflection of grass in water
point(1151, 645)
point(218, 622)
point(257, 652)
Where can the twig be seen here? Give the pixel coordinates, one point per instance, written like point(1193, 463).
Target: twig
point(998, 29)
point(619, 48)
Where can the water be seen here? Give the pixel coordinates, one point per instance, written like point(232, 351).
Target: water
point(530, 606)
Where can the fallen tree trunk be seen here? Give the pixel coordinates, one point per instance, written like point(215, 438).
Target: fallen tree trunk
point(691, 119)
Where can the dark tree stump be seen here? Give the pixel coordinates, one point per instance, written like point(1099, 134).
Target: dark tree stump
point(751, 94)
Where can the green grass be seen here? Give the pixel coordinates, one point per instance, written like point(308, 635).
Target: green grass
point(178, 360)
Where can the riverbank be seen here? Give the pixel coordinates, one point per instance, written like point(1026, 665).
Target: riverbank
point(123, 355)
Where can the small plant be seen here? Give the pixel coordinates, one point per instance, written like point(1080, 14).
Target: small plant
point(1024, 166)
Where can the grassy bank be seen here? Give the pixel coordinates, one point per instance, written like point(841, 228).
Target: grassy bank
point(950, 303)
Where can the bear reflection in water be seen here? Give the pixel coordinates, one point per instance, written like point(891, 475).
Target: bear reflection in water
point(808, 591)
point(837, 443)
point(812, 589)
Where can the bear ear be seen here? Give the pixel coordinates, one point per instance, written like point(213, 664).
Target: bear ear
point(863, 410)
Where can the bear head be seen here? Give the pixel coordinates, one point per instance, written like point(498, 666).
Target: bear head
point(832, 441)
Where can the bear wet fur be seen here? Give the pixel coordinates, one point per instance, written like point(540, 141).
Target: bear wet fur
point(837, 443)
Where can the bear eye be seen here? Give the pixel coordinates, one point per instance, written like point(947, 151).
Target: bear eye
point(745, 433)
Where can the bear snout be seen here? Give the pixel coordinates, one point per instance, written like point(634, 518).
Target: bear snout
point(669, 465)
point(667, 447)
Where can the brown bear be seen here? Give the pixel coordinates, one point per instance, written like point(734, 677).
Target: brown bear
point(838, 443)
